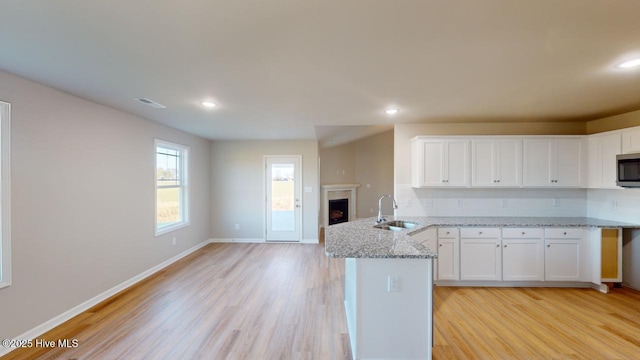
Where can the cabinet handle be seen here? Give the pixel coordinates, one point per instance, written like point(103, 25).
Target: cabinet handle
point(548, 245)
point(505, 246)
point(498, 181)
point(523, 233)
point(440, 245)
point(480, 233)
point(564, 233)
point(498, 245)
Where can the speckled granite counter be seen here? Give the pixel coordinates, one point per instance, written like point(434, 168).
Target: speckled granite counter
point(359, 239)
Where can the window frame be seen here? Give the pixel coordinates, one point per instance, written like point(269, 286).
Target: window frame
point(5, 189)
point(183, 158)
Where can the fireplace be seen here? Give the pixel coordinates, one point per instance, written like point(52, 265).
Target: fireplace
point(341, 192)
point(338, 211)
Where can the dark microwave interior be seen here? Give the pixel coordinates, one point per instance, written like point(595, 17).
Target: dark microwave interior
point(629, 170)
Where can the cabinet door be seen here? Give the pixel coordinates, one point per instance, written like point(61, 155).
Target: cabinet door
point(432, 166)
point(537, 162)
point(567, 167)
point(508, 165)
point(457, 163)
point(480, 259)
point(594, 166)
point(631, 140)
point(448, 259)
point(611, 146)
point(562, 260)
point(483, 160)
point(523, 259)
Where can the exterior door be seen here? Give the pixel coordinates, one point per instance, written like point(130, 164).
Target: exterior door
point(283, 198)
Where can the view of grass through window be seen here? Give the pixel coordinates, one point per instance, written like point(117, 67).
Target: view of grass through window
point(168, 183)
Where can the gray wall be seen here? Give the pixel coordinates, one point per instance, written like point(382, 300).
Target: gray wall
point(83, 201)
point(237, 187)
point(367, 161)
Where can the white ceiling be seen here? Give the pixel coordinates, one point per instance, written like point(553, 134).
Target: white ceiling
point(302, 69)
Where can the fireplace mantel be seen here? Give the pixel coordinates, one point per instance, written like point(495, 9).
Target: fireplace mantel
point(338, 191)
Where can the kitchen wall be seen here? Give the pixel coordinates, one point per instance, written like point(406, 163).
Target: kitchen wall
point(83, 201)
point(616, 122)
point(368, 162)
point(482, 202)
point(237, 187)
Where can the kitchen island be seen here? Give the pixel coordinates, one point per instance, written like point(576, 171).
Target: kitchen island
point(389, 275)
point(388, 289)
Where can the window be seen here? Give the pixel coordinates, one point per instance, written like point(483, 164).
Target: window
point(5, 194)
point(172, 186)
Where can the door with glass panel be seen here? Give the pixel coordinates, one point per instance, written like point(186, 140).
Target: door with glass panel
point(283, 198)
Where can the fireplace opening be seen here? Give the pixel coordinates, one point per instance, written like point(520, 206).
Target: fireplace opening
point(338, 211)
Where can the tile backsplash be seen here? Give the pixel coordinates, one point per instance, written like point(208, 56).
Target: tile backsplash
point(490, 202)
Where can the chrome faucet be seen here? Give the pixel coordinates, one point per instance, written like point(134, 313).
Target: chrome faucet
point(395, 206)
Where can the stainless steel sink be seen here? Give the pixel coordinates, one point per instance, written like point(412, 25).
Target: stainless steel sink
point(396, 225)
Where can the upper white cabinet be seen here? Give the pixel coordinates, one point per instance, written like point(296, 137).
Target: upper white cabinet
point(552, 162)
point(440, 162)
point(496, 162)
point(631, 140)
point(602, 159)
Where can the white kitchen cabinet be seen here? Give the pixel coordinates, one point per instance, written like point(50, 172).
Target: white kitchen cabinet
point(602, 151)
point(480, 254)
point(552, 162)
point(522, 254)
point(439, 162)
point(563, 255)
point(631, 140)
point(448, 254)
point(496, 162)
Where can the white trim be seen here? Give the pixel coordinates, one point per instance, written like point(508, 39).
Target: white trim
point(184, 164)
point(79, 309)
point(260, 241)
point(236, 240)
point(5, 190)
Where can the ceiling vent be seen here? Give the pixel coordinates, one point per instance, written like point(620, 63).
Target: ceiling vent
point(150, 102)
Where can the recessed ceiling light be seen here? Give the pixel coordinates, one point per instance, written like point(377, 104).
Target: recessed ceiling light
point(391, 111)
point(208, 104)
point(630, 63)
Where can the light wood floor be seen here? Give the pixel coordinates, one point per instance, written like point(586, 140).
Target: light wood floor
point(284, 301)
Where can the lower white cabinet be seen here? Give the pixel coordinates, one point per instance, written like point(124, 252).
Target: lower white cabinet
point(480, 254)
point(448, 254)
point(522, 254)
point(510, 254)
point(563, 254)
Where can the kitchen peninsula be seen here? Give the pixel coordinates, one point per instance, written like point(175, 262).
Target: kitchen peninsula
point(389, 275)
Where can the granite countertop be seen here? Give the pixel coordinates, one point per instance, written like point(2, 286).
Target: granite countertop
point(359, 239)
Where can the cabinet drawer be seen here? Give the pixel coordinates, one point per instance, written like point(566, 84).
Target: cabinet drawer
point(563, 233)
point(522, 233)
point(447, 232)
point(479, 233)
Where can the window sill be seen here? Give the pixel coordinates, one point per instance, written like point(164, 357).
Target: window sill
point(170, 228)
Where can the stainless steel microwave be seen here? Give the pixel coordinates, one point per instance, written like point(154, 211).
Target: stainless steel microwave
point(628, 170)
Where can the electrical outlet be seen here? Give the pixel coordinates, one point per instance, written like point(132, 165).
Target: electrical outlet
point(614, 204)
point(392, 284)
point(556, 202)
point(173, 241)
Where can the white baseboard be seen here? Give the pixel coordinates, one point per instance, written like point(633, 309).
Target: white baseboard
point(77, 310)
point(236, 240)
point(252, 240)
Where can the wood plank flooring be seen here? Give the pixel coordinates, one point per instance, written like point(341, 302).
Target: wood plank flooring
point(284, 301)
